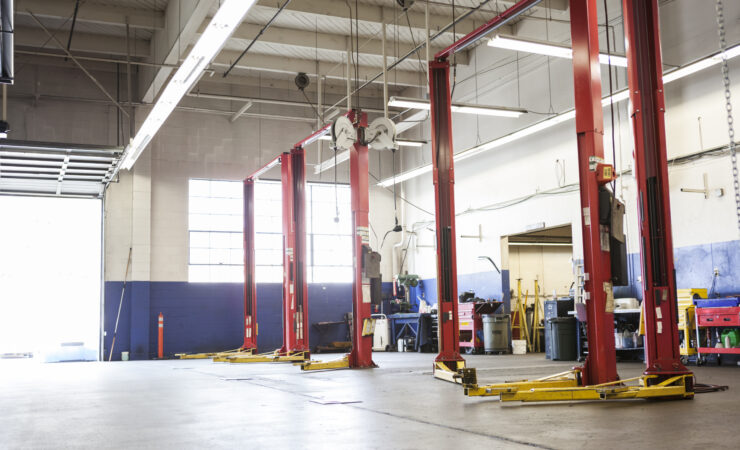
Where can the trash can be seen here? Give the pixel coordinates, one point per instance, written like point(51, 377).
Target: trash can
point(495, 333)
point(564, 346)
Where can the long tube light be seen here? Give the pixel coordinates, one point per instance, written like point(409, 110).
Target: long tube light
point(224, 22)
point(548, 49)
point(622, 95)
point(466, 108)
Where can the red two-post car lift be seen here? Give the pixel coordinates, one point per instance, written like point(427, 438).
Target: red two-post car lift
point(295, 346)
point(665, 376)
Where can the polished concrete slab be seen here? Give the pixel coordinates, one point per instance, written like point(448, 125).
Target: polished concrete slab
point(201, 404)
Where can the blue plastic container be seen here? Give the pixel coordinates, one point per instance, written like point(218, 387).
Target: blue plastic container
point(717, 302)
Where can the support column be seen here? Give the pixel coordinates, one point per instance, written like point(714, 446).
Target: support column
point(300, 317)
point(289, 308)
point(600, 365)
point(361, 355)
point(444, 201)
point(250, 287)
point(642, 35)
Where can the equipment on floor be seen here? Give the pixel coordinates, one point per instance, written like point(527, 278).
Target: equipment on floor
point(160, 336)
point(554, 309)
point(537, 328)
point(470, 312)
point(412, 331)
point(495, 333)
point(382, 333)
point(120, 304)
point(563, 338)
point(519, 330)
point(717, 327)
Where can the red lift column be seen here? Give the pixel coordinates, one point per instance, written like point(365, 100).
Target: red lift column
point(361, 355)
point(300, 317)
point(289, 304)
point(250, 288)
point(600, 366)
point(444, 201)
point(642, 35)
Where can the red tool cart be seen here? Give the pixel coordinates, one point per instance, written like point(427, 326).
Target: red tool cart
point(470, 315)
point(711, 321)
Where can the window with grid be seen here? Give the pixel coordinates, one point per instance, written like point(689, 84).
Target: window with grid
point(216, 222)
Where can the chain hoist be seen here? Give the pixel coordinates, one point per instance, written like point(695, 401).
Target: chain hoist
point(728, 105)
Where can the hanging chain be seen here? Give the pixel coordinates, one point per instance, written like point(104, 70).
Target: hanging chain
point(728, 105)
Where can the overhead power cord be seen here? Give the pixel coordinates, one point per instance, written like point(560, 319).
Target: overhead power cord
point(256, 38)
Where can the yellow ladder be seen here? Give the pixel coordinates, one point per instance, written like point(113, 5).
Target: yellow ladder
point(519, 314)
point(534, 343)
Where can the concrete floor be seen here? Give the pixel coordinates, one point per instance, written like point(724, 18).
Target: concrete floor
point(189, 404)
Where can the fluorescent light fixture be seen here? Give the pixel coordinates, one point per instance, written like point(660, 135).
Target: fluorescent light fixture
point(560, 118)
point(224, 22)
point(466, 108)
point(548, 49)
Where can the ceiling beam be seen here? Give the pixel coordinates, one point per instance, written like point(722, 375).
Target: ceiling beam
point(92, 13)
point(375, 13)
point(83, 42)
point(324, 41)
point(183, 19)
point(281, 64)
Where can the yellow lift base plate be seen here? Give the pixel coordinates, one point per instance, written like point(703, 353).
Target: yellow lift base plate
point(268, 357)
point(564, 387)
point(458, 376)
point(213, 354)
point(559, 380)
point(325, 365)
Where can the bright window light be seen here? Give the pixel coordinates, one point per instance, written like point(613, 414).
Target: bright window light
point(465, 108)
point(548, 49)
point(560, 118)
point(223, 24)
point(216, 232)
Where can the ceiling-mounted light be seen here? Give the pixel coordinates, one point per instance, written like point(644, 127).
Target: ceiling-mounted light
point(465, 108)
point(562, 117)
point(224, 22)
point(548, 49)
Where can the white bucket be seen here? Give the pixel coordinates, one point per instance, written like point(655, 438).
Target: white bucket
point(124, 356)
point(519, 347)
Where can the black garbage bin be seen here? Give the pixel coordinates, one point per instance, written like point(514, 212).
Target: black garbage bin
point(563, 338)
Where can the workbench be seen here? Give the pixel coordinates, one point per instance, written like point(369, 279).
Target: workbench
point(412, 326)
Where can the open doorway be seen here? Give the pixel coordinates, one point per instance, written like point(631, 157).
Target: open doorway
point(544, 255)
point(50, 278)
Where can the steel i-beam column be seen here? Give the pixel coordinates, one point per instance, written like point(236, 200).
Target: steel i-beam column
point(600, 365)
point(289, 304)
point(250, 287)
point(444, 201)
point(361, 355)
point(644, 62)
point(300, 317)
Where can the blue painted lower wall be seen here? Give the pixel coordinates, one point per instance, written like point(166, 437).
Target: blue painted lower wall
point(206, 317)
point(201, 317)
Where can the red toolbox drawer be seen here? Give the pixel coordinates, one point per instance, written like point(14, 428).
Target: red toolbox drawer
point(718, 317)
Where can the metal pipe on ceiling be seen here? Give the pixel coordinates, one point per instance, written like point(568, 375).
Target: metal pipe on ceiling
point(417, 48)
point(269, 101)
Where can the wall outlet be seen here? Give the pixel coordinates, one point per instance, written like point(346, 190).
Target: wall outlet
point(716, 271)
